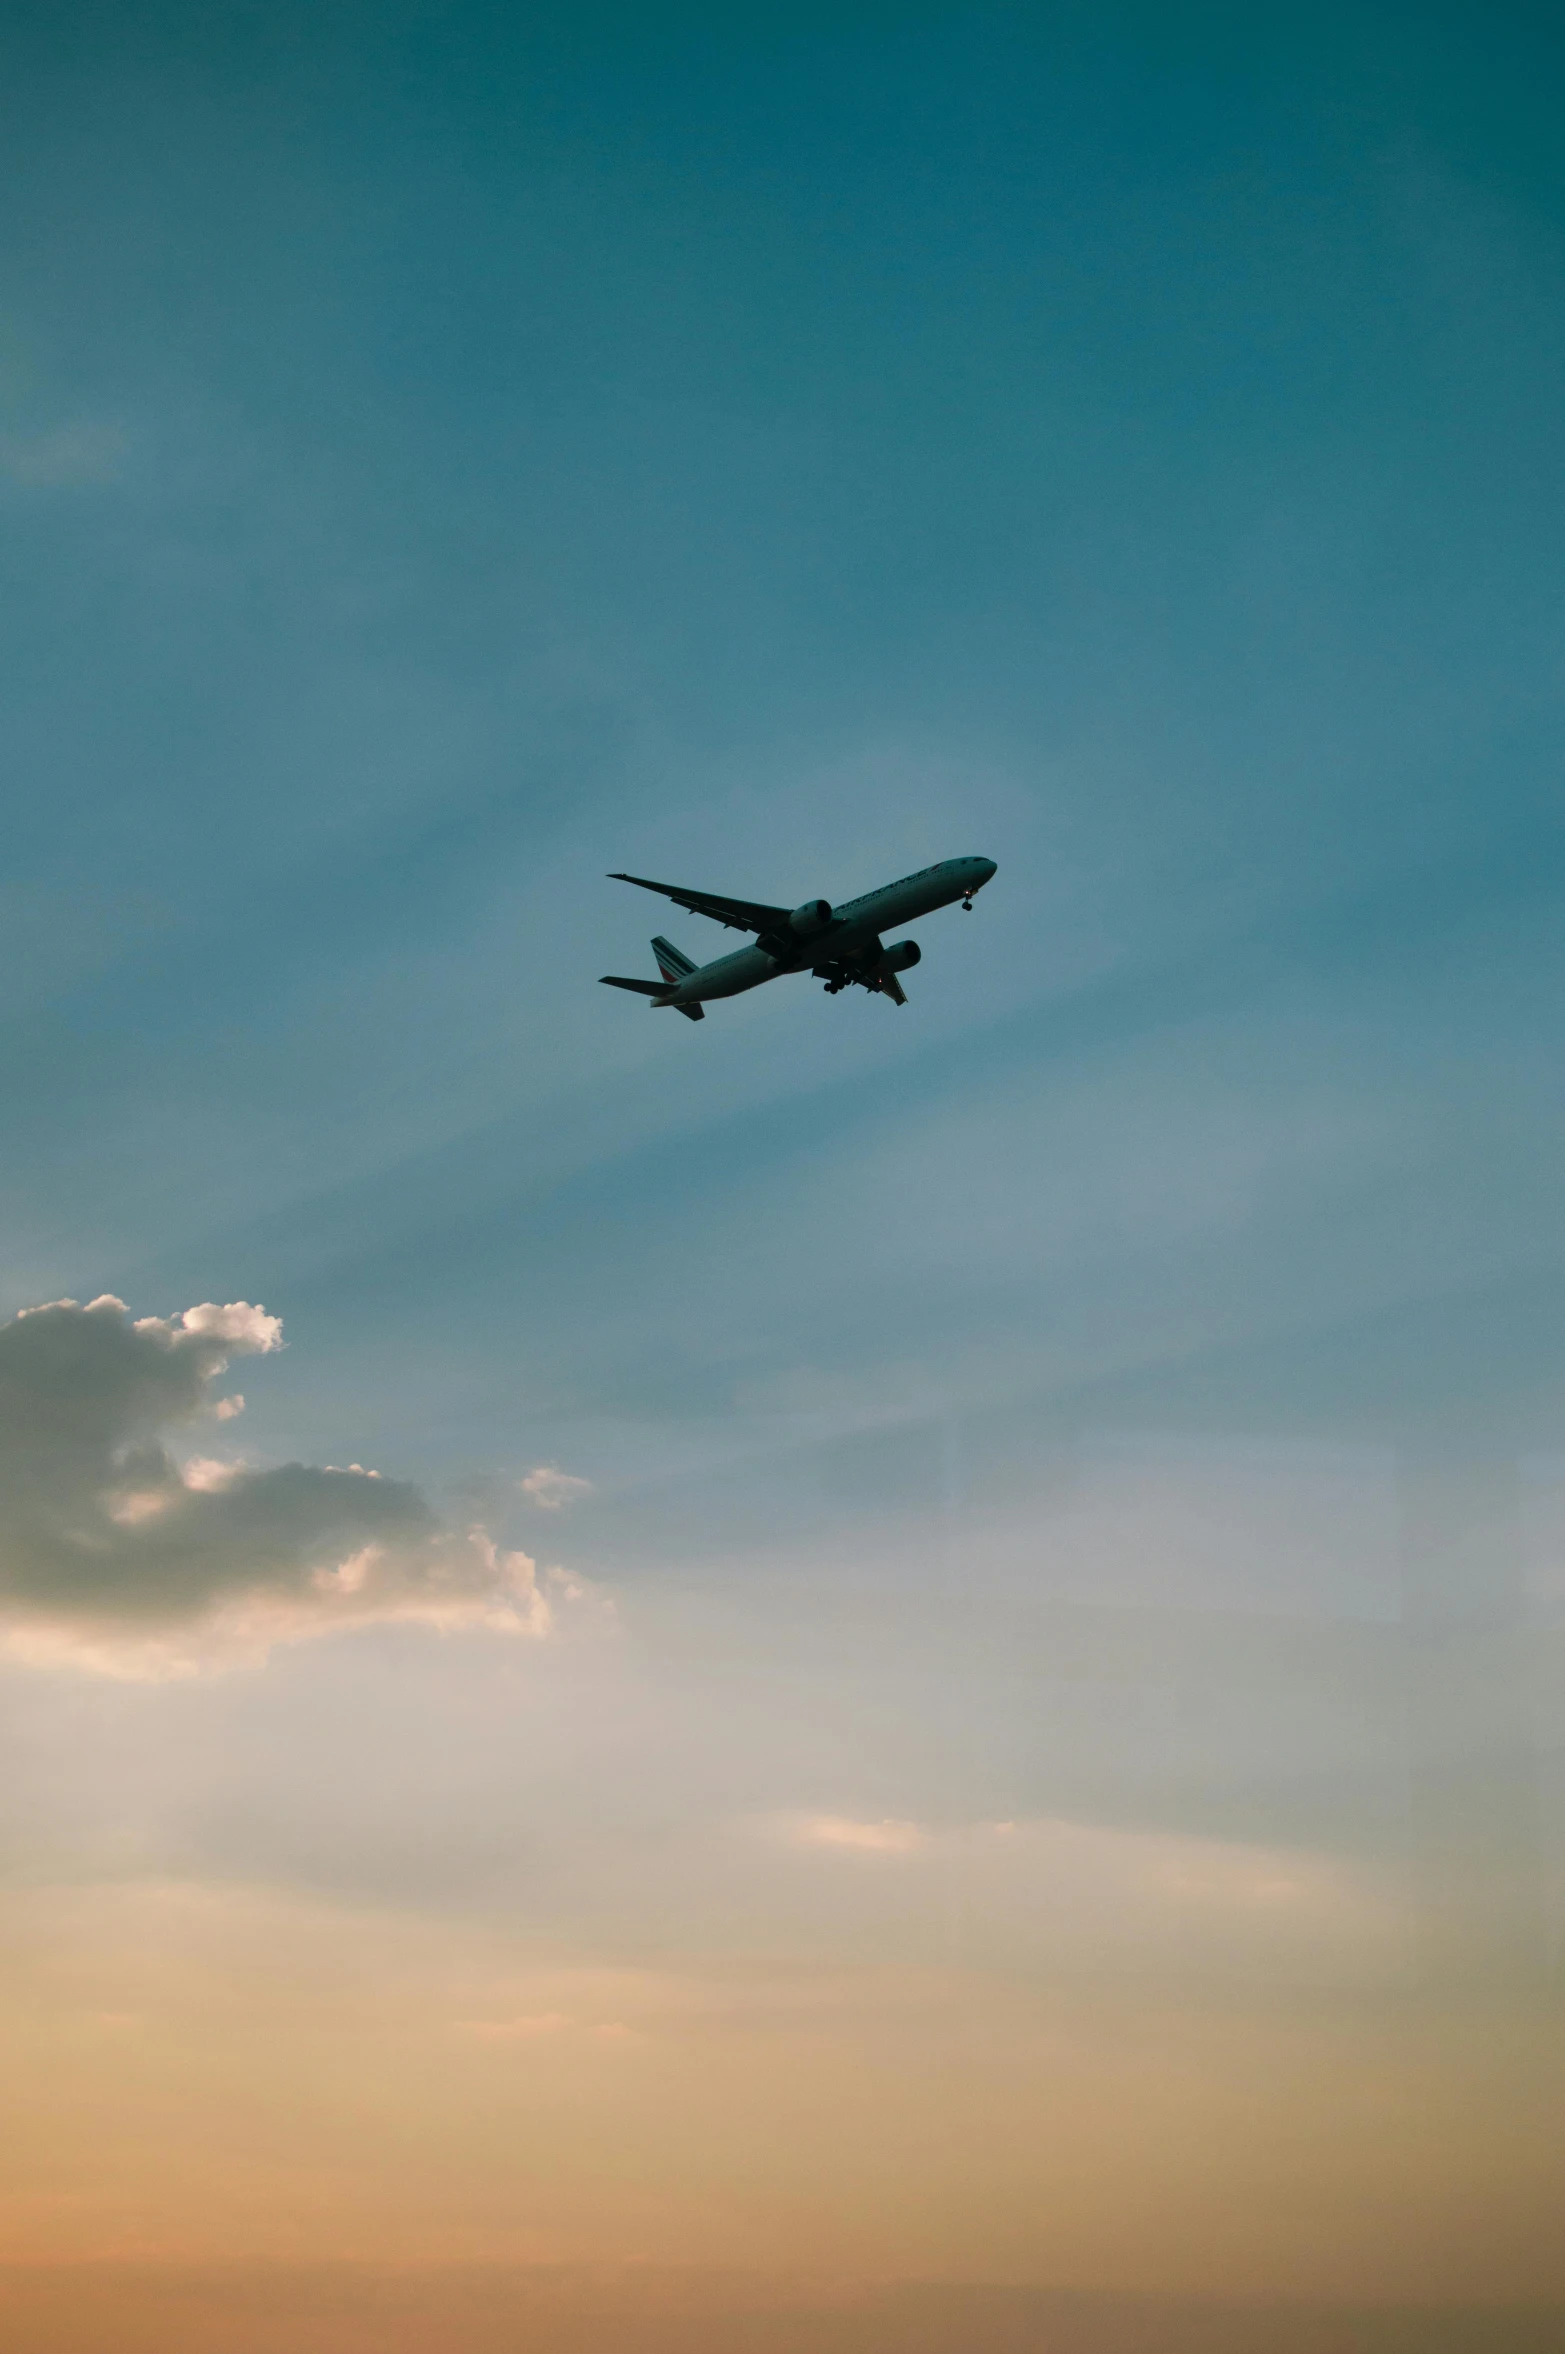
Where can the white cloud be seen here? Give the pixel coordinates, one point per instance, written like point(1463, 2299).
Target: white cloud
point(1063, 1888)
point(883, 1838)
point(206, 1475)
point(523, 2030)
point(251, 1330)
point(550, 1489)
point(115, 1555)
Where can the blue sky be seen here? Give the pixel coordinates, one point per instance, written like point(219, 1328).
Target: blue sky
point(447, 454)
point(483, 457)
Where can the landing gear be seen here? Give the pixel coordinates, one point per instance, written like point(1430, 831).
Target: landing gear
point(967, 907)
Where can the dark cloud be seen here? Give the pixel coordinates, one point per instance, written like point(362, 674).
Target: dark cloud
point(104, 1532)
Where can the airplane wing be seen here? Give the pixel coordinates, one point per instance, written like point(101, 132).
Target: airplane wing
point(740, 915)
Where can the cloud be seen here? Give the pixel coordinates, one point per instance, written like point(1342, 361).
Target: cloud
point(522, 2030)
point(549, 1488)
point(883, 1838)
point(1060, 1889)
point(116, 1554)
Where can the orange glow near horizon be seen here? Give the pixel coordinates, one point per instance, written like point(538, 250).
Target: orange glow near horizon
point(207, 2075)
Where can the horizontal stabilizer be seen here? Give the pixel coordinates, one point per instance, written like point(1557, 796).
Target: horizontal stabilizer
point(658, 991)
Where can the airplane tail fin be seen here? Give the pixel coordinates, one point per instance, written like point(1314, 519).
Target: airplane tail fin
point(673, 963)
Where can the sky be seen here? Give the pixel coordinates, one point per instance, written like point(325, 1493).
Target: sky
point(869, 1678)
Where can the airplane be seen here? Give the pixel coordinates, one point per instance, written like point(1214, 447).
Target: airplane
point(839, 945)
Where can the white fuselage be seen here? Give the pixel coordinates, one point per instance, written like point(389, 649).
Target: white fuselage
point(852, 929)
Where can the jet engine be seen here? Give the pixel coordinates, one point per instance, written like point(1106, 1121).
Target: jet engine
point(813, 916)
point(900, 957)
